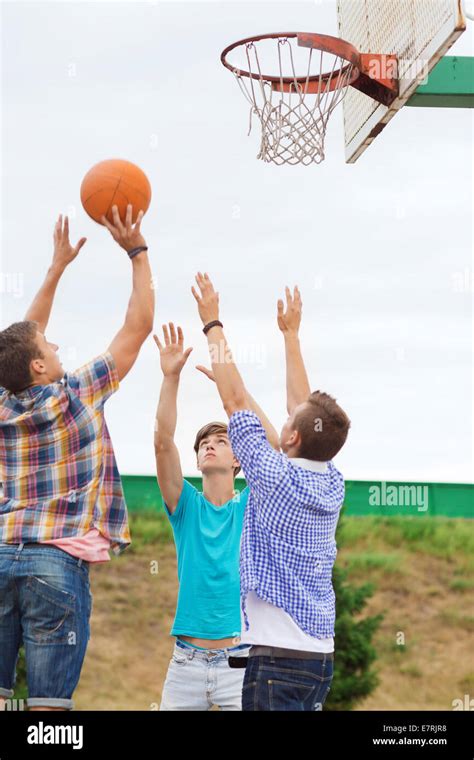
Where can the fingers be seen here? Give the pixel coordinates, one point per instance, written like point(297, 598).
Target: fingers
point(157, 341)
point(128, 217)
point(107, 224)
point(169, 334)
point(79, 245)
point(200, 281)
point(66, 227)
point(59, 225)
point(204, 283)
point(58, 228)
point(117, 221)
point(280, 307)
point(172, 336)
point(194, 292)
point(205, 371)
point(166, 335)
point(292, 299)
point(123, 227)
point(172, 332)
point(139, 220)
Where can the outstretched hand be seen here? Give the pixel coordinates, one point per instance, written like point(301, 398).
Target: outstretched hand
point(123, 233)
point(289, 320)
point(173, 357)
point(64, 252)
point(208, 301)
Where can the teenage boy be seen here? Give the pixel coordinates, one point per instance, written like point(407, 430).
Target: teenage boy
point(288, 542)
point(62, 506)
point(207, 530)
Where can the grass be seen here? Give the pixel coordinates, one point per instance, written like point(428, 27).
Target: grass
point(436, 537)
point(150, 528)
point(455, 619)
point(389, 563)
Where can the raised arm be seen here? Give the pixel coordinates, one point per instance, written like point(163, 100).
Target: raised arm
point(141, 306)
point(64, 253)
point(173, 357)
point(289, 320)
point(224, 370)
point(272, 435)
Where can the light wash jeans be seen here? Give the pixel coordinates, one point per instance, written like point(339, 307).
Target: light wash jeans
point(198, 679)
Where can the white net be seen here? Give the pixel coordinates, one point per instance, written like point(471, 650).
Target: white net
point(293, 123)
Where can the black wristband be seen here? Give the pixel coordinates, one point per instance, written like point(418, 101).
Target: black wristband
point(134, 251)
point(207, 327)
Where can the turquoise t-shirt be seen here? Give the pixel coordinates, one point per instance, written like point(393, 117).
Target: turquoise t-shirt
point(208, 547)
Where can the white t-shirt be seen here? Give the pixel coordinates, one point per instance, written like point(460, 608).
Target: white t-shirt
point(272, 626)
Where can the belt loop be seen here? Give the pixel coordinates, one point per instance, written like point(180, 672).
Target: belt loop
point(80, 562)
point(20, 547)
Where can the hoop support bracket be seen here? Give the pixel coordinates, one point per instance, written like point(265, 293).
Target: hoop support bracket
point(378, 77)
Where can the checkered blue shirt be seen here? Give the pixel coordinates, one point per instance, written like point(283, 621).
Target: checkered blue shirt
point(288, 544)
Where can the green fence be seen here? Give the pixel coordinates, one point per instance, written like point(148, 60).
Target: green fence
point(363, 497)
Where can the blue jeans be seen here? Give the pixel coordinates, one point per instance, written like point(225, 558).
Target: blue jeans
point(278, 683)
point(198, 679)
point(45, 604)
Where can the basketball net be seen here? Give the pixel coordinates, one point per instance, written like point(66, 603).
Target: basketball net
point(293, 122)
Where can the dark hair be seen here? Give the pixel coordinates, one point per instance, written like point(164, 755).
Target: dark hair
point(18, 348)
point(323, 427)
point(209, 429)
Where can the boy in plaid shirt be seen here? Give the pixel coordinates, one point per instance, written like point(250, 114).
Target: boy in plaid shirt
point(62, 506)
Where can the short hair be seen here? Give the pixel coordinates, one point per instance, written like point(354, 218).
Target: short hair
point(209, 429)
point(18, 348)
point(323, 427)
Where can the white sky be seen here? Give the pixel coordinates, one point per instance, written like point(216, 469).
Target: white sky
point(381, 250)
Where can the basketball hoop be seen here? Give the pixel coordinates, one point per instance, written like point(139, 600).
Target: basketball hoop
point(294, 109)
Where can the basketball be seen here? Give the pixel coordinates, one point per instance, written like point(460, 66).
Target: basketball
point(115, 182)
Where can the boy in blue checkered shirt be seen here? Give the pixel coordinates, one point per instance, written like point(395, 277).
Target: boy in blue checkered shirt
point(288, 544)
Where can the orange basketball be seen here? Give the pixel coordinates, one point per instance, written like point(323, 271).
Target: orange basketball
point(115, 182)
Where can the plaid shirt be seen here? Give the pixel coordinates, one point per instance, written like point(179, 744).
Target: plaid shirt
point(57, 464)
point(288, 544)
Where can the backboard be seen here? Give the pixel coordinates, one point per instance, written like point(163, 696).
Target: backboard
point(419, 32)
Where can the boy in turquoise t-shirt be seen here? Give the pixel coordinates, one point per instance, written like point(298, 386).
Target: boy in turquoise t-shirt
point(207, 530)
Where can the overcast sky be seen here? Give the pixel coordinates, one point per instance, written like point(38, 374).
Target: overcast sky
point(381, 250)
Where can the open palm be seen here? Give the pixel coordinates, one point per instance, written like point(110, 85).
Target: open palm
point(289, 320)
point(64, 252)
point(173, 357)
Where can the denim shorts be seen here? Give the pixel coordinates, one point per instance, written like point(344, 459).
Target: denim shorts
point(45, 604)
